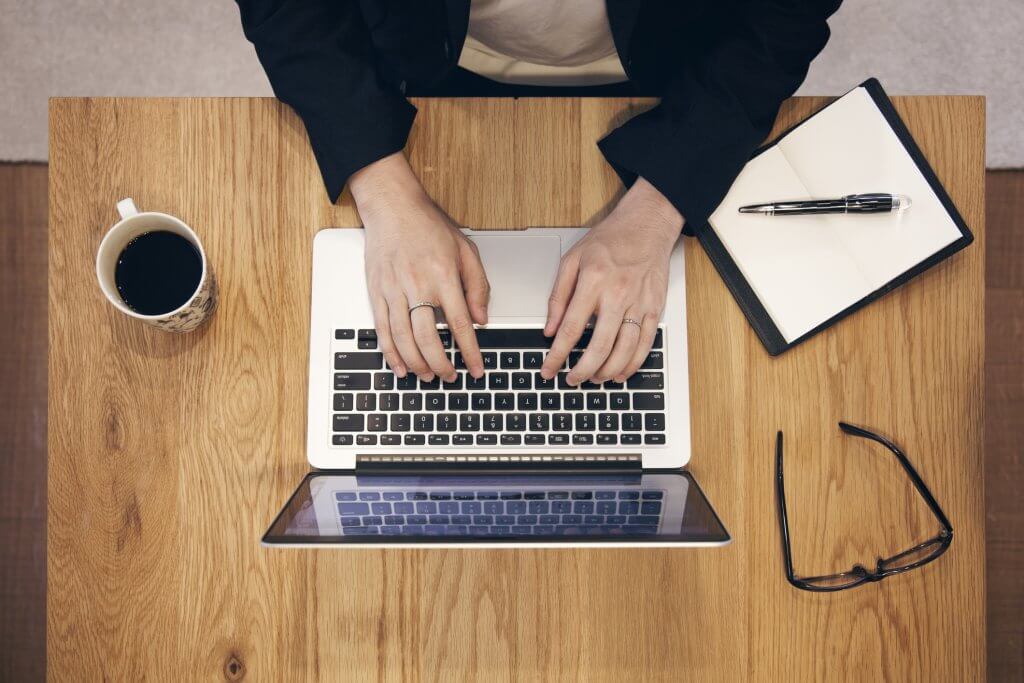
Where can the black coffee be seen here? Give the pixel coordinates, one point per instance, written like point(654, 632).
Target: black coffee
point(158, 272)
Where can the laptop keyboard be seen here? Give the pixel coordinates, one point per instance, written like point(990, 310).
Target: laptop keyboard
point(512, 405)
point(505, 513)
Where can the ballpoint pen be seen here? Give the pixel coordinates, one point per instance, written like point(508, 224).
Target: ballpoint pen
point(877, 202)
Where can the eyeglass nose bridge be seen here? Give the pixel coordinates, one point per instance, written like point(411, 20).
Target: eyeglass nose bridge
point(868, 576)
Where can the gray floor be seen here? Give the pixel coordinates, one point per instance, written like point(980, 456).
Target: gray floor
point(196, 47)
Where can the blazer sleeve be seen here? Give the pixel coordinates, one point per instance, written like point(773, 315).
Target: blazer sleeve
point(717, 109)
point(318, 58)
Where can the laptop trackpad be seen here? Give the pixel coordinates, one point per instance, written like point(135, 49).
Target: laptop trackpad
point(521, 270)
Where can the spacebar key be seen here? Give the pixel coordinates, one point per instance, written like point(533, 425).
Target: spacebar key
point(365, 360)
point(496, 338)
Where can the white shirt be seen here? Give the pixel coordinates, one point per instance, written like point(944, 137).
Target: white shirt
point(541, 42)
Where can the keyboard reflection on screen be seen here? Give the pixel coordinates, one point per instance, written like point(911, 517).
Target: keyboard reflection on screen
point(492, 513)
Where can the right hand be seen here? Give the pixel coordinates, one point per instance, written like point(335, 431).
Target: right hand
point(414, 253)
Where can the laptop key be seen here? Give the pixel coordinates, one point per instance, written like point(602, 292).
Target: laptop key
point(349, 423)
point(423, 422)
point(654, 439)
point(630, 439)
point(521, 381)
point(608, 422)
point(646, 380)
point(619, 401)
point(657, 340)
point(414, 440)
point(351, 381)
point(438, 439)
point(561, 422)
point(551, 401)
point(480, 401)
point(399, 422)
point(558, 439)
point(646, 400)
point(344, 334)
point(654, 422)
point(504, 401)
point(489, 358)
point(539, 422)
point(389, 401)
point(469, 422)
point(541, 383)
point(573, 401)
point(390, 440)
point(434, 401)
point(509, 360)
point(343, 402)
point(497, 380)
point(407, 383)
point(596, 401)
point(527, 401)
point(432, 385)
point(447, 422)
point(655, 361)
point(462, 440)
point(534, 439)
point(584, 422)
point(457, 384)
point(631, 422)
point(412, 402)
point(492, 422)
point(366, 440)
point(341, 440)
point(366, 402)
point(359, 360)
point(582, 439)
point(511, 439)
point(515, 422)
point(486, 439)
point(533, 360)
point(476, 382)
point(607, 439)
point(383, 381)
point(458, 401)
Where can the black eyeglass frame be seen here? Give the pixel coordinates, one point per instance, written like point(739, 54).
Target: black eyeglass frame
point(859, 575)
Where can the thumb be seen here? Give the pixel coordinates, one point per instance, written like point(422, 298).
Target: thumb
point(474, 283)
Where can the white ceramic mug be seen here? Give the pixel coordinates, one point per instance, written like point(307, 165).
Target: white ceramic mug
point(133, 223)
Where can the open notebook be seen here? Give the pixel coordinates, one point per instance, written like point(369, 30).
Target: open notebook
point(795, 275)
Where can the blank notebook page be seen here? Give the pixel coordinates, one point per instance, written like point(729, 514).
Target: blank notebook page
point(806, 269)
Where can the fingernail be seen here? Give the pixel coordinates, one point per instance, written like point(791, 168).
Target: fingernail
point(620, 379)
point(429, 377)
point(546, 374)
point(451, 378)
point(477, 371)
point(399, 370)
point(571, 379)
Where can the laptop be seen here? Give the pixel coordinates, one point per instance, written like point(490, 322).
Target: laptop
point(511, 460)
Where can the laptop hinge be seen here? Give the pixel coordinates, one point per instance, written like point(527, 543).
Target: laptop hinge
point(574, 462)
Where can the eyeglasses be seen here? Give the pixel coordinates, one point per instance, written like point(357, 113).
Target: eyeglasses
point(915, 557)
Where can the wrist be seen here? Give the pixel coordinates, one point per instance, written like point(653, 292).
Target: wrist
point(650, 209)
point(384, 184)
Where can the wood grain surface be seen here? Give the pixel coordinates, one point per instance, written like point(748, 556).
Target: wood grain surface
point(169, 455)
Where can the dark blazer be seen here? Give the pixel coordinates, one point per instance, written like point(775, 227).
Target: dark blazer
point(721, 68)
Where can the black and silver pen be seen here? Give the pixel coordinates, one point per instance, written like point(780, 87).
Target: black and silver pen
point(876, 202)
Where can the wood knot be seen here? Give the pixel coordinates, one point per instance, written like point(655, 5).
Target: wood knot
point(234, 669)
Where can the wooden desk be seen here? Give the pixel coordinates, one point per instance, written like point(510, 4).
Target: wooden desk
point(169, 455)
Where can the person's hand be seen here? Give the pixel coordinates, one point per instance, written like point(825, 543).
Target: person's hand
point(414, 254)
point(618, 272)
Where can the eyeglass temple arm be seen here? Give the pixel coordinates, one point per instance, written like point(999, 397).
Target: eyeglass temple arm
point(783, 517)
point(915, 478)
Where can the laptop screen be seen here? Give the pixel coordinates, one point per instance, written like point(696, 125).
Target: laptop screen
point(394, 509)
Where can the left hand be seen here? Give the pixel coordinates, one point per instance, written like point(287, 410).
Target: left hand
point(618, 270)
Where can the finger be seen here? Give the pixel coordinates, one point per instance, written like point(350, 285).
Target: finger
point(461, 327)
point(573, 324)
point(623, 351)
point(609, 320)
point(648, 329)
point(387, 344)
point(401, 332)
point(561, 292)
point(475, 285)
point(424, 331)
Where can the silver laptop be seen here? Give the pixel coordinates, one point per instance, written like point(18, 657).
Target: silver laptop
point(508, 460)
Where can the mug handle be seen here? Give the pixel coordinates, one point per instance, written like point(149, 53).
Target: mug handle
point(126, 207)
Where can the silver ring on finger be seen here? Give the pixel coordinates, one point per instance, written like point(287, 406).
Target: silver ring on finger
point(632, 321)
point(422, 304)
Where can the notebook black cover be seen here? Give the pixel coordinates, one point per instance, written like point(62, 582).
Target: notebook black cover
point(741, 290)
